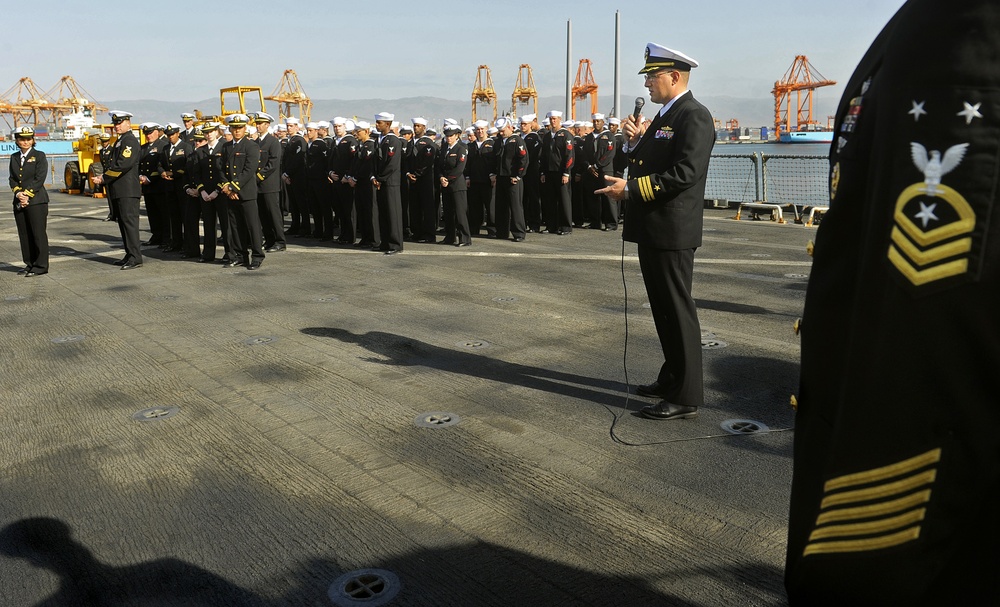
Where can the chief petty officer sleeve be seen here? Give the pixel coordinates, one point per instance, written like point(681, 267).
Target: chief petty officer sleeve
point(122, 160)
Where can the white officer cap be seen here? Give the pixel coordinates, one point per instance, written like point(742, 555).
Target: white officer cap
point(323, 124)
point(450, 121)
point(349, 125)
point(237, 120)
point(361, 125)
point(481, 124)
point(554, 114)
point(502, 122)
point(263, 117)
point(292, 120)
point(452, 129)
point(210, 126)
point(149, 127)
point(597, 116)
point(660, 58)
point(419, 120)
point(118, 116)
point(311, 125)
point(384, 116)
point(405, 129)
point(170, 128)
point(187, 116)
point(339, 120)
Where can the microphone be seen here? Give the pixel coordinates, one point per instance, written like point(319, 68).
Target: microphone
point(639, 102)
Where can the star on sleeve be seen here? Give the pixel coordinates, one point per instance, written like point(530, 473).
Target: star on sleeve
point(970, 112)
point(918, 110)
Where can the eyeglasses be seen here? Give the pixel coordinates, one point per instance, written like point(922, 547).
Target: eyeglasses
point(652, 75)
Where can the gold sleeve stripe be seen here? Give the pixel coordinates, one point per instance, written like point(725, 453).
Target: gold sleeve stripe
point(29, 193)
point(877, 474)
point(931, 274)
point(873, 510)
point(645, 188)
point(875, 543)
point(922, 258)
point(870, 527)
point(113, 173)
point(880, 491)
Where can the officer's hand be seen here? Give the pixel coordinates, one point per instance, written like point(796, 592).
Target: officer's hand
point(565, 179)
point(204, 196)
point(633, 131)
point(615, 189)
point(541, 178)
point(444, 182)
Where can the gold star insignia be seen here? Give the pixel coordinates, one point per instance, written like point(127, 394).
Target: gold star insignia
point(656, 188)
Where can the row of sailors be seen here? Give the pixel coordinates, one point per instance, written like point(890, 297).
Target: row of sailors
point(384, 183)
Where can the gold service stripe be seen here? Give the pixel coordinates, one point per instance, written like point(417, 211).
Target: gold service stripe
point(870, 527)
point(879, 491)
point(877, 474)
point(873, 510)
point(875, 543)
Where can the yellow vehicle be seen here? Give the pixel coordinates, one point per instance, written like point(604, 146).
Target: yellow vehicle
point(78, 174)
point(235, 100)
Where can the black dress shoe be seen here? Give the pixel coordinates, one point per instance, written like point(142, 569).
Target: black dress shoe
point(275, 248)
point(518, 239)
point(23, 271)
point(130, 265)
point(31, 273)
point(653, 390)
point(391, 252)
point(446, 241)
point(464, 244)
point(203, 260)
point(254, 265)
point(230, 263)
point(122, 261)
point(665, 410)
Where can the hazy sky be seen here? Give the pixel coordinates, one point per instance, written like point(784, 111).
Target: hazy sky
point(392, 49)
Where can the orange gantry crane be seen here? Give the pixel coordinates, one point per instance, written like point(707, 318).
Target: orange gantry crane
point(69, 97)
point(289, 93)
point(584, 86)
point(484, 92)
point(801, 78)
point(524, 91)
point(24, 103)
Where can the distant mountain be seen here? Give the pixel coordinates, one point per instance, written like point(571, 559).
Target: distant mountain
point(751, 112)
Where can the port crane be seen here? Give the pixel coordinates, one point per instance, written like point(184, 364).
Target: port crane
point(801, 79)
point(484, 92)
point(524, 91)
point(584, 86)
point(289, 93)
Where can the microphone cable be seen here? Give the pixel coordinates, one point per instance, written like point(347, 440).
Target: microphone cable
point(628, 390)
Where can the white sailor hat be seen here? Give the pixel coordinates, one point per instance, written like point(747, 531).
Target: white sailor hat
point(597, 116)
point(480, 124)
point(554, 114)
point(262, 117)
point(119, 116)
point(528, 118)
point(323, 124)
point(149, 127)
point(587, 124)
point(311, 125)
point(492, 130)
point(361, 125)
point(292, 120)
point(419, 120)
point(237, 120)
point(569, 124)
point(339, 120)
point(170, 128)
point(502, 122)
point(384, 117)
point(545, 122)
point(281, 128)
point(187, 116)
point(349, 125)
point(452, 129)
point(470, 129)
point(614, 120)
point(660, 58)
point(24, 132)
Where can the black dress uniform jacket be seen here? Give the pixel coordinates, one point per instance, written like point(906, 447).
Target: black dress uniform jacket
point(668, 170)
point(121, 173)
point(240, 161)
point(29, 177)
point(896, 479)
point(268, 177)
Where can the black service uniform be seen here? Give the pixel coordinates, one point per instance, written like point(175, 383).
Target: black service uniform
point(668, 169)
point(896, 475)
point(512, 162)
point(27, 174)
point(451, 165)
point(269, 191)
point(240, 161)
point(556, 162)
point(121, 177)
point(387, 171)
